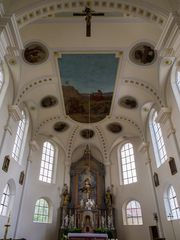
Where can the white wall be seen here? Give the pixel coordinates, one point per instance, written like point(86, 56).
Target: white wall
point(142, 191)
point(35, 189)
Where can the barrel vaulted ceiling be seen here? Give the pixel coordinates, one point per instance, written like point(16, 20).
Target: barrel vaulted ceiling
point(114, 74)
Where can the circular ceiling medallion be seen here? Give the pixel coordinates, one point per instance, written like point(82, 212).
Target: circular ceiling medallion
point(114, 127)
point(142, 54)
point(49, 101)
point(87, 133)
point(35, 53)
point(60, 126)
point(128, 102)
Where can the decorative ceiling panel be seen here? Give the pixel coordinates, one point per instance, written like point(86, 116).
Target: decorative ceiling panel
point(88, 83)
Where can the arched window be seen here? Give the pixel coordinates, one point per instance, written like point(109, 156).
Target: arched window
point(133, 213)
point(171, 205)
point(178, 80)
point(128, 164)
point(19, 138)
point(1, 78)
point(157, 139)
point(47, 163)
point(41, 211)
point(5, 201)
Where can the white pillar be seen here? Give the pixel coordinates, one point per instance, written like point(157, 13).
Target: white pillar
point(107, 173)
point(67, 173)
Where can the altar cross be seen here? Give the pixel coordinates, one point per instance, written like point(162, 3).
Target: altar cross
point(88, 13)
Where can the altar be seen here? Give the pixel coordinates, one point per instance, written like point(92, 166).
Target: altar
point(86, 205)
point(87, 236)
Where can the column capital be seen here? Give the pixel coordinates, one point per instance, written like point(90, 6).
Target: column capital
point(144, 146)
point(107, 163)
point(168, 41)
point(15, 112)
point(34, 145)
point(163, 115)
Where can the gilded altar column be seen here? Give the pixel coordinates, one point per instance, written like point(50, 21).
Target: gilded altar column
point(107, 173)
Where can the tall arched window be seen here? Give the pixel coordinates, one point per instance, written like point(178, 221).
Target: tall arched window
point(128, 164)
point(157, 139)
point(171, 205)
point(1, 78)
point(178, 80)
point(41, 211)
point(19, 138)
point(47, 163)
point(133, 213)
point(5, 201)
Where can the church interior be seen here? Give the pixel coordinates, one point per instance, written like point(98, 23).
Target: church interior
point(89, 112)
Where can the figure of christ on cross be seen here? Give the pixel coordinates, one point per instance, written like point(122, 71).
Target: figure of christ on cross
point(88, 13)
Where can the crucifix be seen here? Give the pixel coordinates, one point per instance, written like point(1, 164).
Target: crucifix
point(88, 13)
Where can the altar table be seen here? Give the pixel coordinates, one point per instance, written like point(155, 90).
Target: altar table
point(87, 236)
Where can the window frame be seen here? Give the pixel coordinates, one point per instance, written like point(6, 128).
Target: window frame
point(171, 204)
point(47, 164)
point(5, 200)
point(127, 162)
point(134, 217)
point(38, 208)
point(20, 137)
point(174, 85)
point(159, 160)
point(1, 81)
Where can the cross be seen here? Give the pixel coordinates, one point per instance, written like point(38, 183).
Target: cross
point(88, 13)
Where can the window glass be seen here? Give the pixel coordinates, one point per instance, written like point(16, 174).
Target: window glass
point(128, 164)
point(5, 201)
point(19, 138)
point(158, 141)
point(41, 211)
point(133, 213)
point(47, 161)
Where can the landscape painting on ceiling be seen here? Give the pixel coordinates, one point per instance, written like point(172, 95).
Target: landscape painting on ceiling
point(88, 82)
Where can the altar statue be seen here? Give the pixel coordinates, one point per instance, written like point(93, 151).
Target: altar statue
point(87, 188)
point(108, 197)
point(65, 195)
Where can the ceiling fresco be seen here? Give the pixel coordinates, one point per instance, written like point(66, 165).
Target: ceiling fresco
point(88, 83)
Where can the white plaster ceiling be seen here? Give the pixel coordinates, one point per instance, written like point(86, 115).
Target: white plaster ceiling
point(108, 35)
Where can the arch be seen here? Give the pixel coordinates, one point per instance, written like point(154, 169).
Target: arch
point(35, 12)
point(157, 139)
point(171, 204)
point(132, 213)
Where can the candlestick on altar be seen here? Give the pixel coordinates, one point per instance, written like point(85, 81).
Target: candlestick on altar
point(7, 225)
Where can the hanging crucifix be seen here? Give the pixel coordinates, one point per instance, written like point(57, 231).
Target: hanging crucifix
point(88, 13)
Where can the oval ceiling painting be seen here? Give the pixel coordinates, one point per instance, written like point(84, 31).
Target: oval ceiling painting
point(88, 83)
point(60, 126)
point(49, 101)
point(35, 53)
point(143, 54)
point(114, 127)
point(128, 102)
point(87, 133)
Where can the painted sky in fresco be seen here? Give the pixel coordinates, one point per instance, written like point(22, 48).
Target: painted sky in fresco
point(89, 72)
